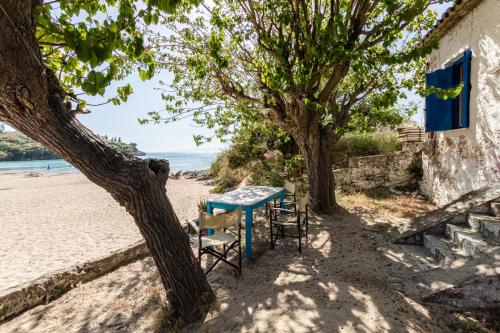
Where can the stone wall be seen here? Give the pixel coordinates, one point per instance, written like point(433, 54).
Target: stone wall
point(46, 288)
point(462, 160)
point(368, 172)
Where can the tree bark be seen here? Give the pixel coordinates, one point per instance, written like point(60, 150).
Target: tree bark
point(319, 164)
point(31, 100)
point(315, 143)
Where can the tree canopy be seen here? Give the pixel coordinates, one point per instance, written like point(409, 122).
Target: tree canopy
point(233, 57)
point(89, 44)
point(314, 68)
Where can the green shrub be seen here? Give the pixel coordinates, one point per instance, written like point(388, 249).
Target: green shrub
point(270, 169)
point(364, 144)
point(16, 146)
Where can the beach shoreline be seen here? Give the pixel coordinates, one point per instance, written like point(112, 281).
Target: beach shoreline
point(57, 220)
point(178, 162)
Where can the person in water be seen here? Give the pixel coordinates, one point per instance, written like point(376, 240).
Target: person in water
point(48, 167)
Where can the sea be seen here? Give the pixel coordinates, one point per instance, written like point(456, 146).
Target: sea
point(178, 162)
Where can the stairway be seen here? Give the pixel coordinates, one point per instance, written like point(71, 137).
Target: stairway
point(480, 236)
point(454, 261)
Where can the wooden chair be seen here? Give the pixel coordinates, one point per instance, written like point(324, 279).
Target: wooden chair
point(281, 218)
point(209, 231)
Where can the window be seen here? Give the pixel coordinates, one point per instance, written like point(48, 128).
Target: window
point(447, 114)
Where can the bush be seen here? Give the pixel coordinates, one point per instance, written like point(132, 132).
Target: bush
point(364, 144)
point(270, 169)
point(261, 151)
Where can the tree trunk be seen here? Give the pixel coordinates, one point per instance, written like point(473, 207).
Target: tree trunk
point(315, 143)
point(31, 100)
point(318, 159)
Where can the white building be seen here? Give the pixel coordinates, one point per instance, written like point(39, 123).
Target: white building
point(462, 151)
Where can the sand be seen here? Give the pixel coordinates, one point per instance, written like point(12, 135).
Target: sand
point(338, 284)
point(55, 221)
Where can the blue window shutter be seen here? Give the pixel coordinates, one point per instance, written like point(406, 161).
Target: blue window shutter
point(466, 88)
point(445, 119)
point(431, 102)
point(438, 112)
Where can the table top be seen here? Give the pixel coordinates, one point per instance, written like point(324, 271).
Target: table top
point(246, 195)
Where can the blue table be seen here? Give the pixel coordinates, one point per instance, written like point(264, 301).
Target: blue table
point(248, 198)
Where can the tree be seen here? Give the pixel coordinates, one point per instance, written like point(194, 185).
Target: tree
point(44, 56)
point(308, 66)
point(2, 128)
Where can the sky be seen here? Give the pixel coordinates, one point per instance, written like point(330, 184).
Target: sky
point(121, 120)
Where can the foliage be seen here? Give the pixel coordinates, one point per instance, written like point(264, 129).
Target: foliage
point(371, 117)
point(261, 151)
point(89, 44)
point(308, 66)
point(364, 144)
point(265, 59)
point(255, 139)
point(15, 146)
point(18, 147)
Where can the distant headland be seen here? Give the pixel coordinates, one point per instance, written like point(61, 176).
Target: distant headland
point(15, 146)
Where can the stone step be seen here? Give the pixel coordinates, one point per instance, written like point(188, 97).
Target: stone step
point(440, 249)
point(468, 242)
point(495, 208)
point(488, 225)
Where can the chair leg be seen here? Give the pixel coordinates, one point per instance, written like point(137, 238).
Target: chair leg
point(300, 238)
point(239, 257)
point(271, 228)
point(307, 232)
point(273, 240)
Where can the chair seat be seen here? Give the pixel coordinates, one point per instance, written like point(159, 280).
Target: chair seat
point(286, 220)
point(218, 238)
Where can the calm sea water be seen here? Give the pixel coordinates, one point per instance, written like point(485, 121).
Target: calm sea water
point(178, 161)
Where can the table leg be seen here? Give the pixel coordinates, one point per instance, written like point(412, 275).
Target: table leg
point(248, 233)
point(210, 210)
point(282, 198)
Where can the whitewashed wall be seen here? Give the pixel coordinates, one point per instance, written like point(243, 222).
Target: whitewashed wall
point(462, 160)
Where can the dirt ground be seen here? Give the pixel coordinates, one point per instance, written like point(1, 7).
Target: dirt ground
point(337, 284)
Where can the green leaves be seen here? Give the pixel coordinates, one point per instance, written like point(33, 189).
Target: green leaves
point(445, 93)
point(94, 83)
point(148, 73)
point(248, 62)
point(89, 44)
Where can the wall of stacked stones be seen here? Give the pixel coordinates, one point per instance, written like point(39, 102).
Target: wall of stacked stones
point(368, 172)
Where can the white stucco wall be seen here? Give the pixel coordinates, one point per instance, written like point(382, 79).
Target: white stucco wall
point(462, 160)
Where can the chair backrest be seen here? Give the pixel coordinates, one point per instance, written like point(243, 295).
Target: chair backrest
point(289, 186)
point(303, 202)
point(220, 221)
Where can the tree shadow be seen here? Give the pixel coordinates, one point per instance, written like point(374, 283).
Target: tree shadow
point(337, 284)
point(101, 305)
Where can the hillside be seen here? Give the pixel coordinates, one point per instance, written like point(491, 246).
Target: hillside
point(15, 146)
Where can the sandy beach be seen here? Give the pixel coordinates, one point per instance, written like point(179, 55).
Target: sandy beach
point(55, 221)
point(337, 284)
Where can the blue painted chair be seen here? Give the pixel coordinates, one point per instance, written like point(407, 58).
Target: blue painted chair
point(284, 219)
point(211, 231)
